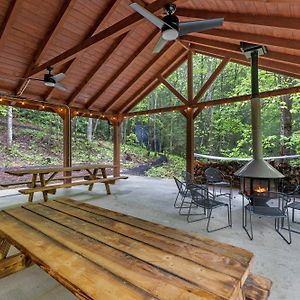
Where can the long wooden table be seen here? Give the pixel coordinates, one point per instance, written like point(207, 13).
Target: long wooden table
point(100, 254)
point(91, 171)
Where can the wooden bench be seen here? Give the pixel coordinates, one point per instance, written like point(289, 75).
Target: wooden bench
point(257, 287)
point(101, 254)
point(54, 187)
point(29, 182)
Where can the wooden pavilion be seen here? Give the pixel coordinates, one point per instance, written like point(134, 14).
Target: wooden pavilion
point(105, 50)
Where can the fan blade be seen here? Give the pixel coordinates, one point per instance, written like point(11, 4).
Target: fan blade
point(58, 77)
point(60, 86)
point(196, 26)
point(159, 45)
point(148, 15)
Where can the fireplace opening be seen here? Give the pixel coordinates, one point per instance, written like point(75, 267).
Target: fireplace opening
point(250, 185)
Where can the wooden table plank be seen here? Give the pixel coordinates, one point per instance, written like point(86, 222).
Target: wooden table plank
point(160, 284)
point(46, 170)
point(84, 278)
point(241, 255)
point(198, 255)
point(210, 280)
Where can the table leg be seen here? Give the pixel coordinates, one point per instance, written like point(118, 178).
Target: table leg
point(4, 248)
point(45, 194)
point(103, 171)
point(93, 176)
point(33, 185)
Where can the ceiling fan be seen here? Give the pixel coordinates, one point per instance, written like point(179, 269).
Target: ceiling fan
point(52, 80)
point(170, 26)
point(49, 79)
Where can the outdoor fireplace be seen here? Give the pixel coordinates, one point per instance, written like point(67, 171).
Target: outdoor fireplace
point(257, 176)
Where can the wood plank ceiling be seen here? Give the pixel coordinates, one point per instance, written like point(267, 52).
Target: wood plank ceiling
point(105, 49)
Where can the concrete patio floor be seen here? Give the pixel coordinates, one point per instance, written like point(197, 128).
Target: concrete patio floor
point(152, 199)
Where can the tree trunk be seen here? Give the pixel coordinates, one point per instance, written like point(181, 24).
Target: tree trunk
point(285, 124)
point(89, 130)
point(285, 118)
point(9, 126)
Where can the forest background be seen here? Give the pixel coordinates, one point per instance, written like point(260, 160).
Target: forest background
point(35, 138)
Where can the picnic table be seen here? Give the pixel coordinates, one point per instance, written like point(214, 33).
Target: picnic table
point(45, 185)
point(101, 254)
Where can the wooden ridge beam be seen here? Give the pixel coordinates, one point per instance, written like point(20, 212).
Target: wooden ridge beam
point(280, 68)
point(203, 105)
point(211, 79)
point(154, 82)
point(172, 89)
point(273, 56)
point(265, 40)
point(150, 64)
point(242, 18)
point(113, 31)
point(104, 16)
point(54, 28)
point(10, 16)
point(124, 67)
point(114, 47)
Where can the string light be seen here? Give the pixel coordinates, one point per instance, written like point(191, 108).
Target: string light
point(0, 99)
point(23, 103)
point(189, 108)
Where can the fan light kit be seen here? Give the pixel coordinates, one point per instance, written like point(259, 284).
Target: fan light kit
point(170, 26)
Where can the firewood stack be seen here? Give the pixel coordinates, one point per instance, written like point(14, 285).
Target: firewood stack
point(291, 173)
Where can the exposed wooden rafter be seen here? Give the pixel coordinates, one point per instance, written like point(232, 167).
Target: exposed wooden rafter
point(240, 18)
point(124, 67)
point(277, 56)
point(9, 19)
point(111, 32)
point(154, 82)
point(54, 28)
point(253, 38)
point(114, 47)
point(167, 48)
point(103, 17)
point(280, 68)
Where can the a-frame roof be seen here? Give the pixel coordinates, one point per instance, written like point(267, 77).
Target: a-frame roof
point(105, 49)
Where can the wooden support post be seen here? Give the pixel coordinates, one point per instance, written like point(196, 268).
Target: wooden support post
point(190, 142)
point(190, 76)
point(117, 143)
point(67, 151)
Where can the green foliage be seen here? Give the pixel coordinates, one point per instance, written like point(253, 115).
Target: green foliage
point(173, 167)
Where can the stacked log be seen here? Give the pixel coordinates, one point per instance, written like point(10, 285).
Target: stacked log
point(291, 173)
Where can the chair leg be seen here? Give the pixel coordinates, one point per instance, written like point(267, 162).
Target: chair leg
point(291, 229)
point(189, 214)
point(277, 226)
point(209, 218)
point(250, 234)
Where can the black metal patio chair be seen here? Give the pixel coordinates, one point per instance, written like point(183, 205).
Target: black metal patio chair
point(202, 198)
point(268, 204)
point(294, 204)
point(221, 185)
point(183, 192)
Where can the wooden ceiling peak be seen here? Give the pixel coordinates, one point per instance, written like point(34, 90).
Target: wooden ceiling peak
point(110, 32)
point(105, 48)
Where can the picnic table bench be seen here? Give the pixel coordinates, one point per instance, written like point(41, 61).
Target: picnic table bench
point(101, 254)
point(46, 185)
